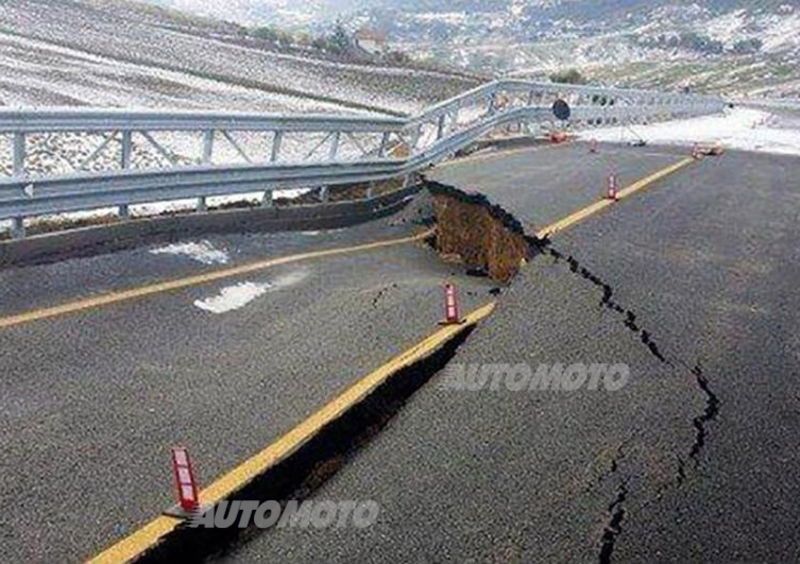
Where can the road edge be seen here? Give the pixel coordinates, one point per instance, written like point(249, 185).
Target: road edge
point(273, 472)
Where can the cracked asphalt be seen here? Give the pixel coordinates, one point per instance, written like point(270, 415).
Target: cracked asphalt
point(692, 284)
point(93, 401)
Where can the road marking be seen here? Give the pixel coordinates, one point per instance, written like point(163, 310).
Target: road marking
point(147, 536)
point(600, 205)
point(138, 542)
point(180, 283)
point(133, 546)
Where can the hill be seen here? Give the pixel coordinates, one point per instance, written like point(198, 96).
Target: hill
point(128, 54)
point(732, 46)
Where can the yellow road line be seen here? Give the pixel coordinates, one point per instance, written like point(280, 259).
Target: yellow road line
point(144, 538)
point(204, 278)
point(138, 542)
point(133, 546)
point(600, 205)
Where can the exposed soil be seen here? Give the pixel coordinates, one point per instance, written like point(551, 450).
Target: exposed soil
point(481, 235)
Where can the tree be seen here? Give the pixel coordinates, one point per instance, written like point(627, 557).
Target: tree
point(339, 41)
point(571, 76)
point(320, 43)
point(748, 46)
point(264, 33)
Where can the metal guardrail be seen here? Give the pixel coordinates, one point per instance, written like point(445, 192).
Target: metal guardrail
point(298, 150)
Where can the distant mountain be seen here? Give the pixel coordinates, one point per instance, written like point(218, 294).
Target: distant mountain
point(735, 46)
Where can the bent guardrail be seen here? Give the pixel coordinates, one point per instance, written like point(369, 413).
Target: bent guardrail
point(65, 160)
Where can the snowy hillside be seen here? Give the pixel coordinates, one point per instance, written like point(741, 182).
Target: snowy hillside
point(731, 46)
point(111, 52)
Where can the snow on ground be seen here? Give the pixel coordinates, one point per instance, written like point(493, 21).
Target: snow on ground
point(158, 208)
point(38, 73)
point(235, 297)
point(740, 128)
point(64, 52)
point(321, 232)
point(202, 251)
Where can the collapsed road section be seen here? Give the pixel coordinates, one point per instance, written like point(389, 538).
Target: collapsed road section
point(308, 455)
point(541, 474)
point(524, 474)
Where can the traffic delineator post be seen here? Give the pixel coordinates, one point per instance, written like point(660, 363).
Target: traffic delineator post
point(451, 314)
point(188, 501)
point(611, 193)
point(593, 146)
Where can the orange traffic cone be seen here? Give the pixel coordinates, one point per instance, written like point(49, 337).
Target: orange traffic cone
point(612, 187)
point(451, 315)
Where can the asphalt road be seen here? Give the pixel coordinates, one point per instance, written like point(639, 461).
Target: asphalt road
point(693, 285)
point(544, 184)
point(92, 401)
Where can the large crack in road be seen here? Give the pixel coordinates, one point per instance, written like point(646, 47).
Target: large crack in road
point(446, 196)
point(481, 236)
point(709, 414)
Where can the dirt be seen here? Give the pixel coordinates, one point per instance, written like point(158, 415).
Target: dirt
point(482, 235)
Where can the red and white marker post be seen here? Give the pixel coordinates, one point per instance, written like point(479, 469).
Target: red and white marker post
point(612, 187)
point(184, 480)
point(451, 315)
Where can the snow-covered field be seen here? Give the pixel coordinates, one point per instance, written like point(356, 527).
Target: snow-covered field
point(117, 53)
point(740, 128)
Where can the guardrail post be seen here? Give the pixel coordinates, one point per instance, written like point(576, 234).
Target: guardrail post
point(415, 138)
point(208, 146)
point(19, 153)
point(334, 149)
point(127, 149)
point(384, 144)
point(18, 228)
point(277, 139)
point(267, 202)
